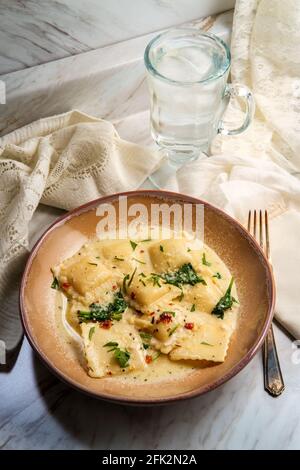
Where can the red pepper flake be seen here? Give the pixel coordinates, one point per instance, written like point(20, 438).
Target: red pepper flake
point(106, 324)
point(152, 313)
point(66, 285)
point(109, 373)
point(165, 318)
point(148, 359)
point(132, 295)
point(114, 287)
point(189, 326)
point(142, 251)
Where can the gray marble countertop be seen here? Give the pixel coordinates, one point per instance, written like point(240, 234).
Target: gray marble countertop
point(107, 82)
point(37, 411)
point(39, 31)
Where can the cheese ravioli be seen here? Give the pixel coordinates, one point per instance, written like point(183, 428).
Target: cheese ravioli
point(132, 301)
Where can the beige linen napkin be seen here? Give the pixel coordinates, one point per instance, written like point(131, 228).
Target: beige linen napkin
point(260, 168)
point(62, 161)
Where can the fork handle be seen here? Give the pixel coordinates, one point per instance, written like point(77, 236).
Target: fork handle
point(272, 373)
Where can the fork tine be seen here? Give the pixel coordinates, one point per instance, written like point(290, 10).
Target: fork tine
point(255, 220)
point(254, 225)
point(261, 240)
point(249, 221)
point(267, 235)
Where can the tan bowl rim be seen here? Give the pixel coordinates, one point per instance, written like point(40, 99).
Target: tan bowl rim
point(156, 401)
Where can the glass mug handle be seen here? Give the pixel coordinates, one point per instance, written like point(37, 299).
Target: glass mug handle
point(242, 91)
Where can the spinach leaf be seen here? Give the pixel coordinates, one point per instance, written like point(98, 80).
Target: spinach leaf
point(98, 312)
point(184, 275)
point(121, 356)
point(224, 303)
point(55, 283)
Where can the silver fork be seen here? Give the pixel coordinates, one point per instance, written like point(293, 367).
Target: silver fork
point(273, 380)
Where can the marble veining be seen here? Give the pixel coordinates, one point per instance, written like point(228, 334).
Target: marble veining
point(108, 82)
point(38, 31)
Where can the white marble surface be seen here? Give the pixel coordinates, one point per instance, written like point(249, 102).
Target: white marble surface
point(108, 82)
point(34, 32)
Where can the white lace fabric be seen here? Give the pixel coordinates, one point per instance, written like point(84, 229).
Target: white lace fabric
point(265, 57)
point(62, 161)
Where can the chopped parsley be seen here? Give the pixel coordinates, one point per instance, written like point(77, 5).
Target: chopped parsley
point(156, 356)
point(131, 278)
point(184, 275)
point(55, 283)
point(124, 285)
point(118, 259)
point(133, 245)
point(161, 248)
point(98, 312)
point(121, 356)
point(173, 330)
point(224, 303)
point(127, 280)
point(91, 332)
point(155, 279)
point(111, 344)
point(193, 308)
point(180, 297)
point(93, 264)
point(139, 261)
point(204, 260)
point(217, 275)
point(147, 338)
point(206, 344)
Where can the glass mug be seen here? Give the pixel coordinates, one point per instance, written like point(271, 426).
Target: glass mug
point(187, 73)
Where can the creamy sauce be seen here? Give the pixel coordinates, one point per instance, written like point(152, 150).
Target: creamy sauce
point(161, 369)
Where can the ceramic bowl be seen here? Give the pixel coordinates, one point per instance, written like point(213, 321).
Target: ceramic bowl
point(226, 236)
